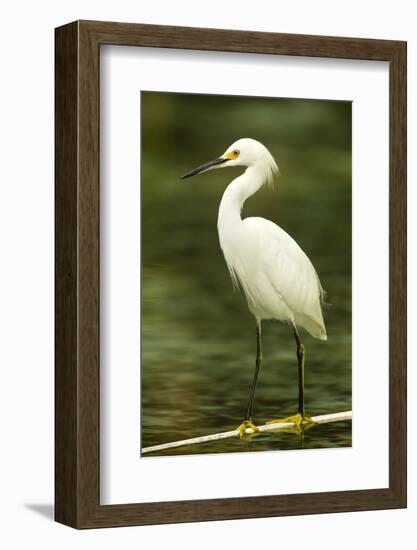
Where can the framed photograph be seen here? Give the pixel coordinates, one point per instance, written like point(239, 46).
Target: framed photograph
point(230, 274)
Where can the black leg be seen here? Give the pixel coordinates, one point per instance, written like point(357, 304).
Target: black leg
point(300, 358)
point(248, 415)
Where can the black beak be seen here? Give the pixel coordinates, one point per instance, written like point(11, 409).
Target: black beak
point(204, 167)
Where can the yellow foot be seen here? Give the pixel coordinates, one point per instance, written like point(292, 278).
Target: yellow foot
point(299, 420)
point(247, 424)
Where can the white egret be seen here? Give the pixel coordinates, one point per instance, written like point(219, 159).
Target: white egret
point(277, 277)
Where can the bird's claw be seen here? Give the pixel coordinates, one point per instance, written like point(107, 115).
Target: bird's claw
point(245, 425)
point(301, 421)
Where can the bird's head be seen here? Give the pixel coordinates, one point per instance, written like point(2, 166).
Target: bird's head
point(243, 152)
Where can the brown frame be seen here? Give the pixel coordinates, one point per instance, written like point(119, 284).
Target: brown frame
point(77, 405)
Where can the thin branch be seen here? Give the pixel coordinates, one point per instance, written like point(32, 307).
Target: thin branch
point(321, 419)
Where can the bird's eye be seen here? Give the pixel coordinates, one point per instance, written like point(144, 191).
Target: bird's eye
point(236, 153)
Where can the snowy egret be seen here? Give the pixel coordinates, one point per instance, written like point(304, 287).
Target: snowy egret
point(278, 279)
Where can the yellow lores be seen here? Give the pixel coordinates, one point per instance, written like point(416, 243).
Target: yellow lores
point(232, 155)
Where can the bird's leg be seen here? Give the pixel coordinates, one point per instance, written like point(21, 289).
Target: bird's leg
point(300, 419)
point(300, 359)
point(247, 422)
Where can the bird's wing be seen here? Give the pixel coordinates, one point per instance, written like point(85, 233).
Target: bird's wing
point(291, 273)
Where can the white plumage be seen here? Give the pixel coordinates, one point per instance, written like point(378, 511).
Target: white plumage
point(277, 277)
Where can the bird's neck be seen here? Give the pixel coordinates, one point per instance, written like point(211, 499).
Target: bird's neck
point(236, 194)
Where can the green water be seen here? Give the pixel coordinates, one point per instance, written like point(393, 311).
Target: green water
point(198, 337)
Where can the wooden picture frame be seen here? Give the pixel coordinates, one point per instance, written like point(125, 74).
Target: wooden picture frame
point(77, 384)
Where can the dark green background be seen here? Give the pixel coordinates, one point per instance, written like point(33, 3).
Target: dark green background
point(198, 337)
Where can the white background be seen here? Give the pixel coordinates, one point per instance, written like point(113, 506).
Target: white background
point(126, 478)
point(26, 286)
